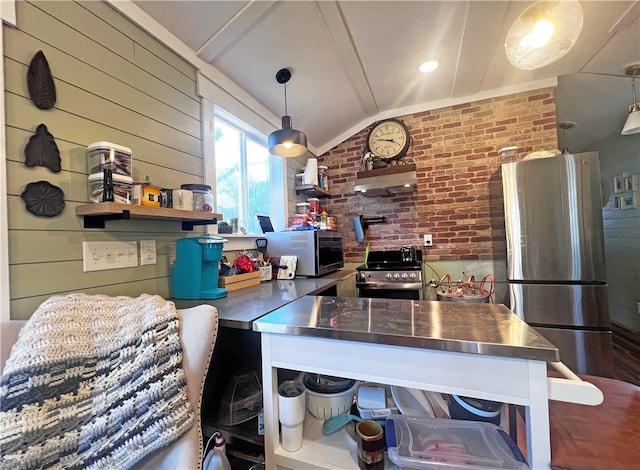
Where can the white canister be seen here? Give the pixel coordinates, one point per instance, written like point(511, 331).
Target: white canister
point(291, 411)
point(183, 199)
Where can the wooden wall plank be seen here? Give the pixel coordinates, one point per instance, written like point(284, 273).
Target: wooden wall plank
point(78, 102)
point(23, 115)
point(131, 30)
point(30, 247)
point(23, 308)
point(28, 280)
point(57, 34)
point(73, 72)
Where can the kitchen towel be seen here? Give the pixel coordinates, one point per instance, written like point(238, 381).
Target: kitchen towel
point(311, 172)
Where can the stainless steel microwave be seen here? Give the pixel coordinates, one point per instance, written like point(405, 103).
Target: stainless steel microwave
point(319, 252)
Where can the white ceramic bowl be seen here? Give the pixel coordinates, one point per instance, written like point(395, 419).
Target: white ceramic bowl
point(327, 405)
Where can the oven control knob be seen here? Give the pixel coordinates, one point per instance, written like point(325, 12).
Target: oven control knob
point(412, 276)
point(404, 275)
point(388, 276)
point(396, 276)
point(362, 277)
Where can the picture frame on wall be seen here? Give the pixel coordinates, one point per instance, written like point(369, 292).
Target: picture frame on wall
point(631, 183)
point(618, 184)
point(628, 201)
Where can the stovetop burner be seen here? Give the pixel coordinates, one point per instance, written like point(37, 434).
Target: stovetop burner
point(382, 266)
point(390, 261)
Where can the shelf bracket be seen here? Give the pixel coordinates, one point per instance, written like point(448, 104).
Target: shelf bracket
point(99, 221)
point(189, 224)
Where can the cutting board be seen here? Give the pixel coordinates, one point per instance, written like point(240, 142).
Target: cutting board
point(290, 262)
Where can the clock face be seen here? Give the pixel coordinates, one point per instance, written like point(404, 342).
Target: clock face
point(389, 139)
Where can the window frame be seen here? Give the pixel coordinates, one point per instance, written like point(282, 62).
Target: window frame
point(277, 168)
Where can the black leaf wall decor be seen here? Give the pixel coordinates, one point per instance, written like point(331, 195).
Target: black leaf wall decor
point(41, 150)
point(40, 82)
point(43, 199)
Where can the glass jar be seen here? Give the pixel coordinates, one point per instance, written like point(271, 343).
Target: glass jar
point(202, 197)
point(322, 177)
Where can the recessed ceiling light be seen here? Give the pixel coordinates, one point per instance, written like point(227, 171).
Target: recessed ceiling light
point(429, 66)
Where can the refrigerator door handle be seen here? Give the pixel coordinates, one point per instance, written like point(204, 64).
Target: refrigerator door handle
point(572, 388)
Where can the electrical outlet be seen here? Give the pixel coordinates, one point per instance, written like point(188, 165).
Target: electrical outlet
point(147, 252)
point(428, 240)
point(100, 256)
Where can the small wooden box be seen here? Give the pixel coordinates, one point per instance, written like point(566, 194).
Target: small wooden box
point(239, 281)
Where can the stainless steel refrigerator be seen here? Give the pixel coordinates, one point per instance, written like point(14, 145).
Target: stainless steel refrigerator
point(555, 256)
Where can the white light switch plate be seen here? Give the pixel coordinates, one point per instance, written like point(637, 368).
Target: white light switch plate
point(100, 256)
point(147, 252)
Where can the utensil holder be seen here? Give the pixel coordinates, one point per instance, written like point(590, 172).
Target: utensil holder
point(265, 273)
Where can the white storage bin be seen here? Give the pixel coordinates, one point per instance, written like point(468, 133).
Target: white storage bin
point(121, 188)
point(100, 154)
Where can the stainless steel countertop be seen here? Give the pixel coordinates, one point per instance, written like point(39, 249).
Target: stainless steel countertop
point(476, 328)
point(241, 307)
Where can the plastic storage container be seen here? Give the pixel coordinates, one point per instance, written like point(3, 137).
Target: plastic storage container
point(242, 398)
point(435, 444)
point(121, 188)
point(202, 197)
point(314, 205)
point(101, 154)
point(303, 208)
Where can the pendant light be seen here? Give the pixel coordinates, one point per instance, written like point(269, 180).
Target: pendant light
point(543, 33)
point(632, 125)
point(564, 126)
point(287, 142)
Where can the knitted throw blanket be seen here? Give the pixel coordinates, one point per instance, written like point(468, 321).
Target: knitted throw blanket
point(93, 382)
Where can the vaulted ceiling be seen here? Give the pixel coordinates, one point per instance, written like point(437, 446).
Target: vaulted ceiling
point(354, 62)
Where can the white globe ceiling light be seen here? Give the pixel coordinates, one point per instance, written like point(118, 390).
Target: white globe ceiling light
point(543, 33)
point(287, 142)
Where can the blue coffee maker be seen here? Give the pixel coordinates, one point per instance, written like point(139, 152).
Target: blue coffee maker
point(194, 273)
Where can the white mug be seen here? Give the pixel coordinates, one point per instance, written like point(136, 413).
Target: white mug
point(183, 199)
point(291, 406)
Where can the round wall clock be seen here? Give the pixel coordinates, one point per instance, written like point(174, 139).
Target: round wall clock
point(389, 139)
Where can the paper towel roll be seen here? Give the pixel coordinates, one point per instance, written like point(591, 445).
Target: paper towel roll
point(311, 171)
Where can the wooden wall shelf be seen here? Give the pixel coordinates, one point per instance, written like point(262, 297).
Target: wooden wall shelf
point(389, 170)
point(311, 190)
point(95, 215)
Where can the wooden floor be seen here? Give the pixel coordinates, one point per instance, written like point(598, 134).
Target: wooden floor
point(626, 354)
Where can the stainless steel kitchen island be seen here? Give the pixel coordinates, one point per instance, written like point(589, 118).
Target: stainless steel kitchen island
point(478, 350)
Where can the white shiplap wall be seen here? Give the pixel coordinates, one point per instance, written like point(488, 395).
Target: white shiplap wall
point(621, 154)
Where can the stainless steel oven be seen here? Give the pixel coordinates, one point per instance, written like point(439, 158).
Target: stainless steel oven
point(391, 275)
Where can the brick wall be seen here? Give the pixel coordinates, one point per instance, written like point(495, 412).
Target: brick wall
point(459, 194)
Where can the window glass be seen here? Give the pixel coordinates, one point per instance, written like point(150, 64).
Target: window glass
point(246, 175)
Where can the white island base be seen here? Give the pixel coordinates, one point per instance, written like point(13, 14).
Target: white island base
point(300, 337)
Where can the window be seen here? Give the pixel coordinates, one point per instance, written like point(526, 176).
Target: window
point(249, 181)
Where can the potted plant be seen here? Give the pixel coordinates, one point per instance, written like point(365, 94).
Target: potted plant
point(368, 160)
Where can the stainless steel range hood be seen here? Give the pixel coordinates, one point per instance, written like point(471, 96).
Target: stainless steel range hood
point(392, 180)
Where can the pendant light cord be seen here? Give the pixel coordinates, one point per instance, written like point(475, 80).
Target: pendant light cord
point(633, 89)
point(286, 112)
